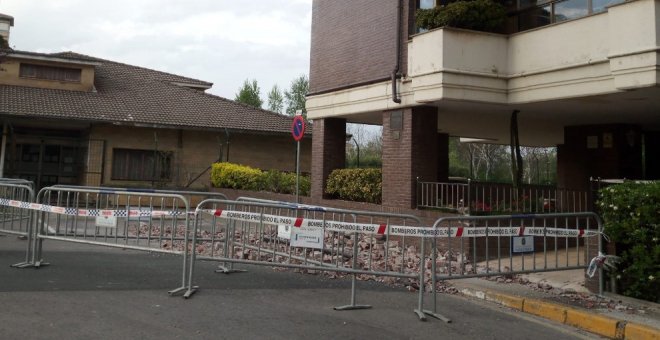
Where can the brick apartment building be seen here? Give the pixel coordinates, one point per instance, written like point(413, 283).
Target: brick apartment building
point(74, 119)
point(584, 76)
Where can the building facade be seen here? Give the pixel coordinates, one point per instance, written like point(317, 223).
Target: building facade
point(582, 75)
point(74, 119)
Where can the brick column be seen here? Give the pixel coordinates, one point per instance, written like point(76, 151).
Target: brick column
point(328, 152)
point(410, 150)
point(443, 157)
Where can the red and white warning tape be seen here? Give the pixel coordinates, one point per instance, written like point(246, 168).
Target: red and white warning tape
point(382, 229)
point(90, 212)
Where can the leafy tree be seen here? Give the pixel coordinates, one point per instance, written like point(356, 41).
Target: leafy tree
point(249, 94)
point(276, 100)
point(295, 97)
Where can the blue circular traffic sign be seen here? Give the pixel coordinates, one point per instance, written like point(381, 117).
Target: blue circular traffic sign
point(298, 128)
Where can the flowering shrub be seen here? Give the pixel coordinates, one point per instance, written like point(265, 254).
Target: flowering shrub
point(362, 185)
point(235, 176)
point(631, 213)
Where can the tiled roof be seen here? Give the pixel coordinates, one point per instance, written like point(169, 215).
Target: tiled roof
point(7, 17)
point(134, 95)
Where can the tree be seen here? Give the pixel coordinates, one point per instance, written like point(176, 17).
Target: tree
point(249, 94)
point(295, 97)
point(276, 100)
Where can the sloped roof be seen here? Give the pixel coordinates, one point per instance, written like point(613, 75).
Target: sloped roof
point(7, 17)
point(135, 95)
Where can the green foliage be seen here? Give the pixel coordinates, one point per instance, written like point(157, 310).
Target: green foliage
point(631, 213)
point(249, 94)
point(479, 15)
point(235, 176)
point(276, 100)
point(362, 185)
point(296, 96)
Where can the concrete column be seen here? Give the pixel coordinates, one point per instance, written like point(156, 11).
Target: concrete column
point(443, 157)
point(410, 150)
point(328, 152)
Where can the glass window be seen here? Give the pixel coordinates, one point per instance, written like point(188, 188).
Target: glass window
point(601, 5)
point(535, 17)
point(4, 26)
point(570, 9)
point(141, 165)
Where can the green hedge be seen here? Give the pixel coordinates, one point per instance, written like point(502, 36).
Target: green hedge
point(362, 185)
point(235, 176)
point(479, 15)
point(631, 213)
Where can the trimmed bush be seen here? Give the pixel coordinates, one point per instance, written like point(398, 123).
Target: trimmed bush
point(478, 15)
point(362, 185)
point(631, 213)
point(235, 176)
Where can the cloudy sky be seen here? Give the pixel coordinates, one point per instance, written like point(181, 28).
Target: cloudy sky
point(221, 41)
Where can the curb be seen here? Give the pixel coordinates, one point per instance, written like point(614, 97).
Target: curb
point(579, 318)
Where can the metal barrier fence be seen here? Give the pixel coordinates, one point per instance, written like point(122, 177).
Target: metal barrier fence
point(305, 237)
point(471, 198)
point(482, 246)
point(193, 197)
point(14, 218)
point(146, 221)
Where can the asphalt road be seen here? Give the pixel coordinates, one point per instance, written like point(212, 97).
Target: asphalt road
point(101, 293)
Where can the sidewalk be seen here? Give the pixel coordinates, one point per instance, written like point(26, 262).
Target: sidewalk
point(561, 297)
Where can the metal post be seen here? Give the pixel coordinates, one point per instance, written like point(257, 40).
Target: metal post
point(297, 171)
point(3, 150)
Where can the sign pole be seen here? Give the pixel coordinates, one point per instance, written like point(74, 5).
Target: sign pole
point(298, 131)
point(297, 171)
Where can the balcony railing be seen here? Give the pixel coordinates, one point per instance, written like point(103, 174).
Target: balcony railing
point(481, 198)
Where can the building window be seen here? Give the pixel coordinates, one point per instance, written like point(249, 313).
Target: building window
point(141, 165)
point(50, 72)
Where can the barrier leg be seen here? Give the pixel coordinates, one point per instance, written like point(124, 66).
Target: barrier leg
point(185, 284)
point(35, 244)
point(434, 290)
point(228, 267)
point(28, 248)
point(353, 304)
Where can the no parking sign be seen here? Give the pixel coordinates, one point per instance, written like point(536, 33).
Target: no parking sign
point(298, 128)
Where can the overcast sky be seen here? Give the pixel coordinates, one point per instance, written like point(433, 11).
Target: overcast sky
point(221, 41)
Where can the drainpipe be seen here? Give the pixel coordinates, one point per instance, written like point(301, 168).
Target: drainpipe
point(227, 133)
point(395, 73)
point(3, 149)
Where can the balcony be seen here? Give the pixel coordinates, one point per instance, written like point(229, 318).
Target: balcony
point(600, 54)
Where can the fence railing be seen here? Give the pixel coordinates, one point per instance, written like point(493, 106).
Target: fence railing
point(482, 246)
point(481, 198)
point(390, 248)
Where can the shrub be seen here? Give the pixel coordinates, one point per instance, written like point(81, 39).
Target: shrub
point(479, 15)
point(363, 185)
point(234, 176)
point(631, 213)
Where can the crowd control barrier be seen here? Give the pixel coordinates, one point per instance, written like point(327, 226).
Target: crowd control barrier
point(138, 220)
point(280, 234)
point(482, 246)
point(14, 218)
point(193, 197)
